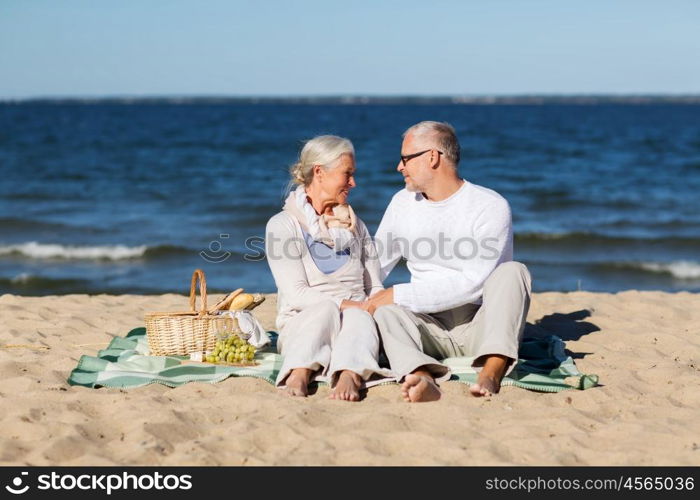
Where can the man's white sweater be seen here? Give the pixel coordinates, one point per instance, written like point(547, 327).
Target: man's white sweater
point(451, 246)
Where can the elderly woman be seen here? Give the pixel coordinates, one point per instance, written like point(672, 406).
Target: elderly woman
point(325, 267)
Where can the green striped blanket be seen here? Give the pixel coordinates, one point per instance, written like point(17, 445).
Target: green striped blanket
point(543, 366)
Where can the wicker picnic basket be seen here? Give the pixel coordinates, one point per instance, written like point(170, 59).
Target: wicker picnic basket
point(182, 333)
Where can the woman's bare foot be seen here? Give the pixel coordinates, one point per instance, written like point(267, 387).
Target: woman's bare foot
point(490, 376)
point(348, 387)
point(297, 383)
point(420, 387)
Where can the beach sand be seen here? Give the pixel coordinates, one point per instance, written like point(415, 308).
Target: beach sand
point(643, 345)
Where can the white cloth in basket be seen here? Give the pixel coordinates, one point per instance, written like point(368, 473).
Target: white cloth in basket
point(252, 330)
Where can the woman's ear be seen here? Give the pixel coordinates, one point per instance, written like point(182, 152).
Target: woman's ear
point(318, 169)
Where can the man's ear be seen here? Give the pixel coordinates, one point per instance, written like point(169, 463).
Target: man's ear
point(434, 159)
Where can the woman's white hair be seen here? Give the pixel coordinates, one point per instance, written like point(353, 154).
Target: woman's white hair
point(324, 150)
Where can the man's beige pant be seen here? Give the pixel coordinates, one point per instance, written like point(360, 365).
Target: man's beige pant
point(326, 341)
point(412, 340)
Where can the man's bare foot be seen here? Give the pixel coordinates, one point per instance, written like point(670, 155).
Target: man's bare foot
point(420, 387)
point(485, 386)
point(297, 383)
point(348, 387)
point(490, 376)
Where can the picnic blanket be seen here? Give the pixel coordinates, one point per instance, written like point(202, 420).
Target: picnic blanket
point(543, 366)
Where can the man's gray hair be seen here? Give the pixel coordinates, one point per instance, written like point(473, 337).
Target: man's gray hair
point(444, 135)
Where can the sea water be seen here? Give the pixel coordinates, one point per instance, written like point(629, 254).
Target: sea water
point(131, 197)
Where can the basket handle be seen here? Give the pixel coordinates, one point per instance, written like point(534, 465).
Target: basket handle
point(198, 273)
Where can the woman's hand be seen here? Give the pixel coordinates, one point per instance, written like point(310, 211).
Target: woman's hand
point(368, 306)
point(382, 298)
point(365, 306)
point(347, 304)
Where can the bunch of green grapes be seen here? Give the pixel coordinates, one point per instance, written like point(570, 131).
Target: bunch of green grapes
point(232, 350)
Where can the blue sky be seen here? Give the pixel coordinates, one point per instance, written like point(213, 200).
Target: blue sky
point(267, 47)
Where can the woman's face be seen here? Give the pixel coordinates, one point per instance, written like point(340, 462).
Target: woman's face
point(337, 182)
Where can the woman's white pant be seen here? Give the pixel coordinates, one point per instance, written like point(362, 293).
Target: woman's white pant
point(326, 341)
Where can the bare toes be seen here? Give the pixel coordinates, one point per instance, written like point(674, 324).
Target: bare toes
point(485, 387)
point(421, 389)
point(478, 391)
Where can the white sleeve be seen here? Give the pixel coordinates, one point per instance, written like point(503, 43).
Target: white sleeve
point(494, 234)
point(386, 242)
point(370, 261)
point(284, 251)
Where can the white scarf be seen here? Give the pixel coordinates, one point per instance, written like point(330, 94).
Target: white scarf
point(337, 230)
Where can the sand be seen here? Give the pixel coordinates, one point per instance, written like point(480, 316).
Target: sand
point(643, 345)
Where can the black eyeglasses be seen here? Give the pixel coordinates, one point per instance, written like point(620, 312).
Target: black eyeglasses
point(406, 158)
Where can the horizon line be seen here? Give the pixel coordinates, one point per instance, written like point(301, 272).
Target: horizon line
point(360, 98)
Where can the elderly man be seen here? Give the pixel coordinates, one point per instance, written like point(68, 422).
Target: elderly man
point(466, 296)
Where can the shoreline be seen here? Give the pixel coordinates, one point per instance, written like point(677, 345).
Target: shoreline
point(644, 346)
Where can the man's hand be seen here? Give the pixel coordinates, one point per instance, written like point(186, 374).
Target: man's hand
point(382, 298)
point(365, 306)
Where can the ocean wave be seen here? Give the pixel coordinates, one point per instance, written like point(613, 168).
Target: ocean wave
point(21, 278)
point(682, 269)
point(27, 283)
point(10, 224)
point(588, 238)
point(679, 269)
point(36, 250)
point(573, 236)
point(37, 285)
point(30, 284)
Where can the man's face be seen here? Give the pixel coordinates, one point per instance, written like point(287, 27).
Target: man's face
point(417, 172)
